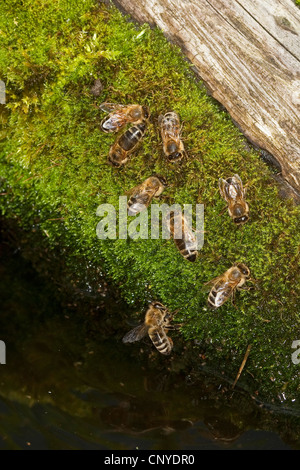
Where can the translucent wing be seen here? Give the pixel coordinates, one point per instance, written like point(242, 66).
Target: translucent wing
point(170, 134)
point(111, 107)
point(114, 123)
point(189, 236)
point(140, 198)
point(207, 286)
point(236, 180)
point(213, 281)
point(117, 117)
point(221, 294)
point(136, 334)
point(236, 187)
point(222, 185)
point(232, 188)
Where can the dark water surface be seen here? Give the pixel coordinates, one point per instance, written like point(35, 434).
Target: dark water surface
point(66, 385)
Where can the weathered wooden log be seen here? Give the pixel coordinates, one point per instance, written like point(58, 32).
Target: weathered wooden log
point(248, 54)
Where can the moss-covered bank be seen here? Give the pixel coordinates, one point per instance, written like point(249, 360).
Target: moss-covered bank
point(54, 175)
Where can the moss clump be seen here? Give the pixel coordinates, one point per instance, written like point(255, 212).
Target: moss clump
point(54, 175)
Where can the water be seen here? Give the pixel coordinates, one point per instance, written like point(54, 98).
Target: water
point(68, 384)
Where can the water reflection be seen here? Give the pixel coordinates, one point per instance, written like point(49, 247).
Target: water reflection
point(66, 385)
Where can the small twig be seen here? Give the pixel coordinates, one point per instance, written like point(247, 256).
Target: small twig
point(58, 218)
point(242, 365)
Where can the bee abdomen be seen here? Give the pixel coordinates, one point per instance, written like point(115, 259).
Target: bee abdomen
point(187, 253)
point(161, 341)
point(170, 120)
point(212, 298)
point(138, 203)
point(190, 255)
point(132, 136)
point(186, 244)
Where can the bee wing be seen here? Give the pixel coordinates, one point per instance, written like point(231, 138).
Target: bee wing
point(238, 186)
point(140, 199)
point(189, 234)
point(170, 129)
point(134, 190)
point(136, 334)
point(159, 119)
point(170, 133)
point(237, 180)
point(206, 287)
point(224, 189)
point(213, 281)
point(231, 189)
point(115, 122)
point(222, 293)
point(111, 107)
point(117, 117)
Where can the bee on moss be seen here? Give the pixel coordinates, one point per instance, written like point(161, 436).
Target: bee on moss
point(233, 192)
point(126, 143)
point(142, 195)
point(170, 133)
point(225, 286)
point(186, 242)
point(120, 115)
point(156, 324)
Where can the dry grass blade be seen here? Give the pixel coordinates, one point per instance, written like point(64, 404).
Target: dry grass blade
point(242, 365)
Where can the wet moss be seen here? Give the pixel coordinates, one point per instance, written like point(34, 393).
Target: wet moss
point(54, 175)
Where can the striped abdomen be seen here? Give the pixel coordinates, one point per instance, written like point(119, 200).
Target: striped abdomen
point(126, 143)
point(129, 140)
point(188, 251)
point(184, 238)
point(161, 341)
point(219, 294)
point(170, 133)
point(142, 195)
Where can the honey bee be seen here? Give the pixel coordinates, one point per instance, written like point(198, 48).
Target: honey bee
point(126, 143)
point(142, 195)
point(232, 191)
point(187, 244)
point(170, 134)
point(224, 286)
point(156, 324)
point(120, 115)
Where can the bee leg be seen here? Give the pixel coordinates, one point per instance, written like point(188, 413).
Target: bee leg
point(222, 211)
point(233, 299)
point(245, 288)
point(174, 313)
point(174, 327)
point(245, 188)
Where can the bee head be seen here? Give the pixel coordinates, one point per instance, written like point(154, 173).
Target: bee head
point(240, 215)
point(243, 269)
point(192, 257)
point(163, 180)
point(117, 157)
point(174, 157)
point(146, 112)
point(241, 220)
point(113, 161)
point(158, 305)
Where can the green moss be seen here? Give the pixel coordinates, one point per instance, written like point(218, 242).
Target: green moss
point(55, 174)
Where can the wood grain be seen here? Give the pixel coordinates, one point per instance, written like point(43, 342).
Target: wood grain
point(248, 54)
